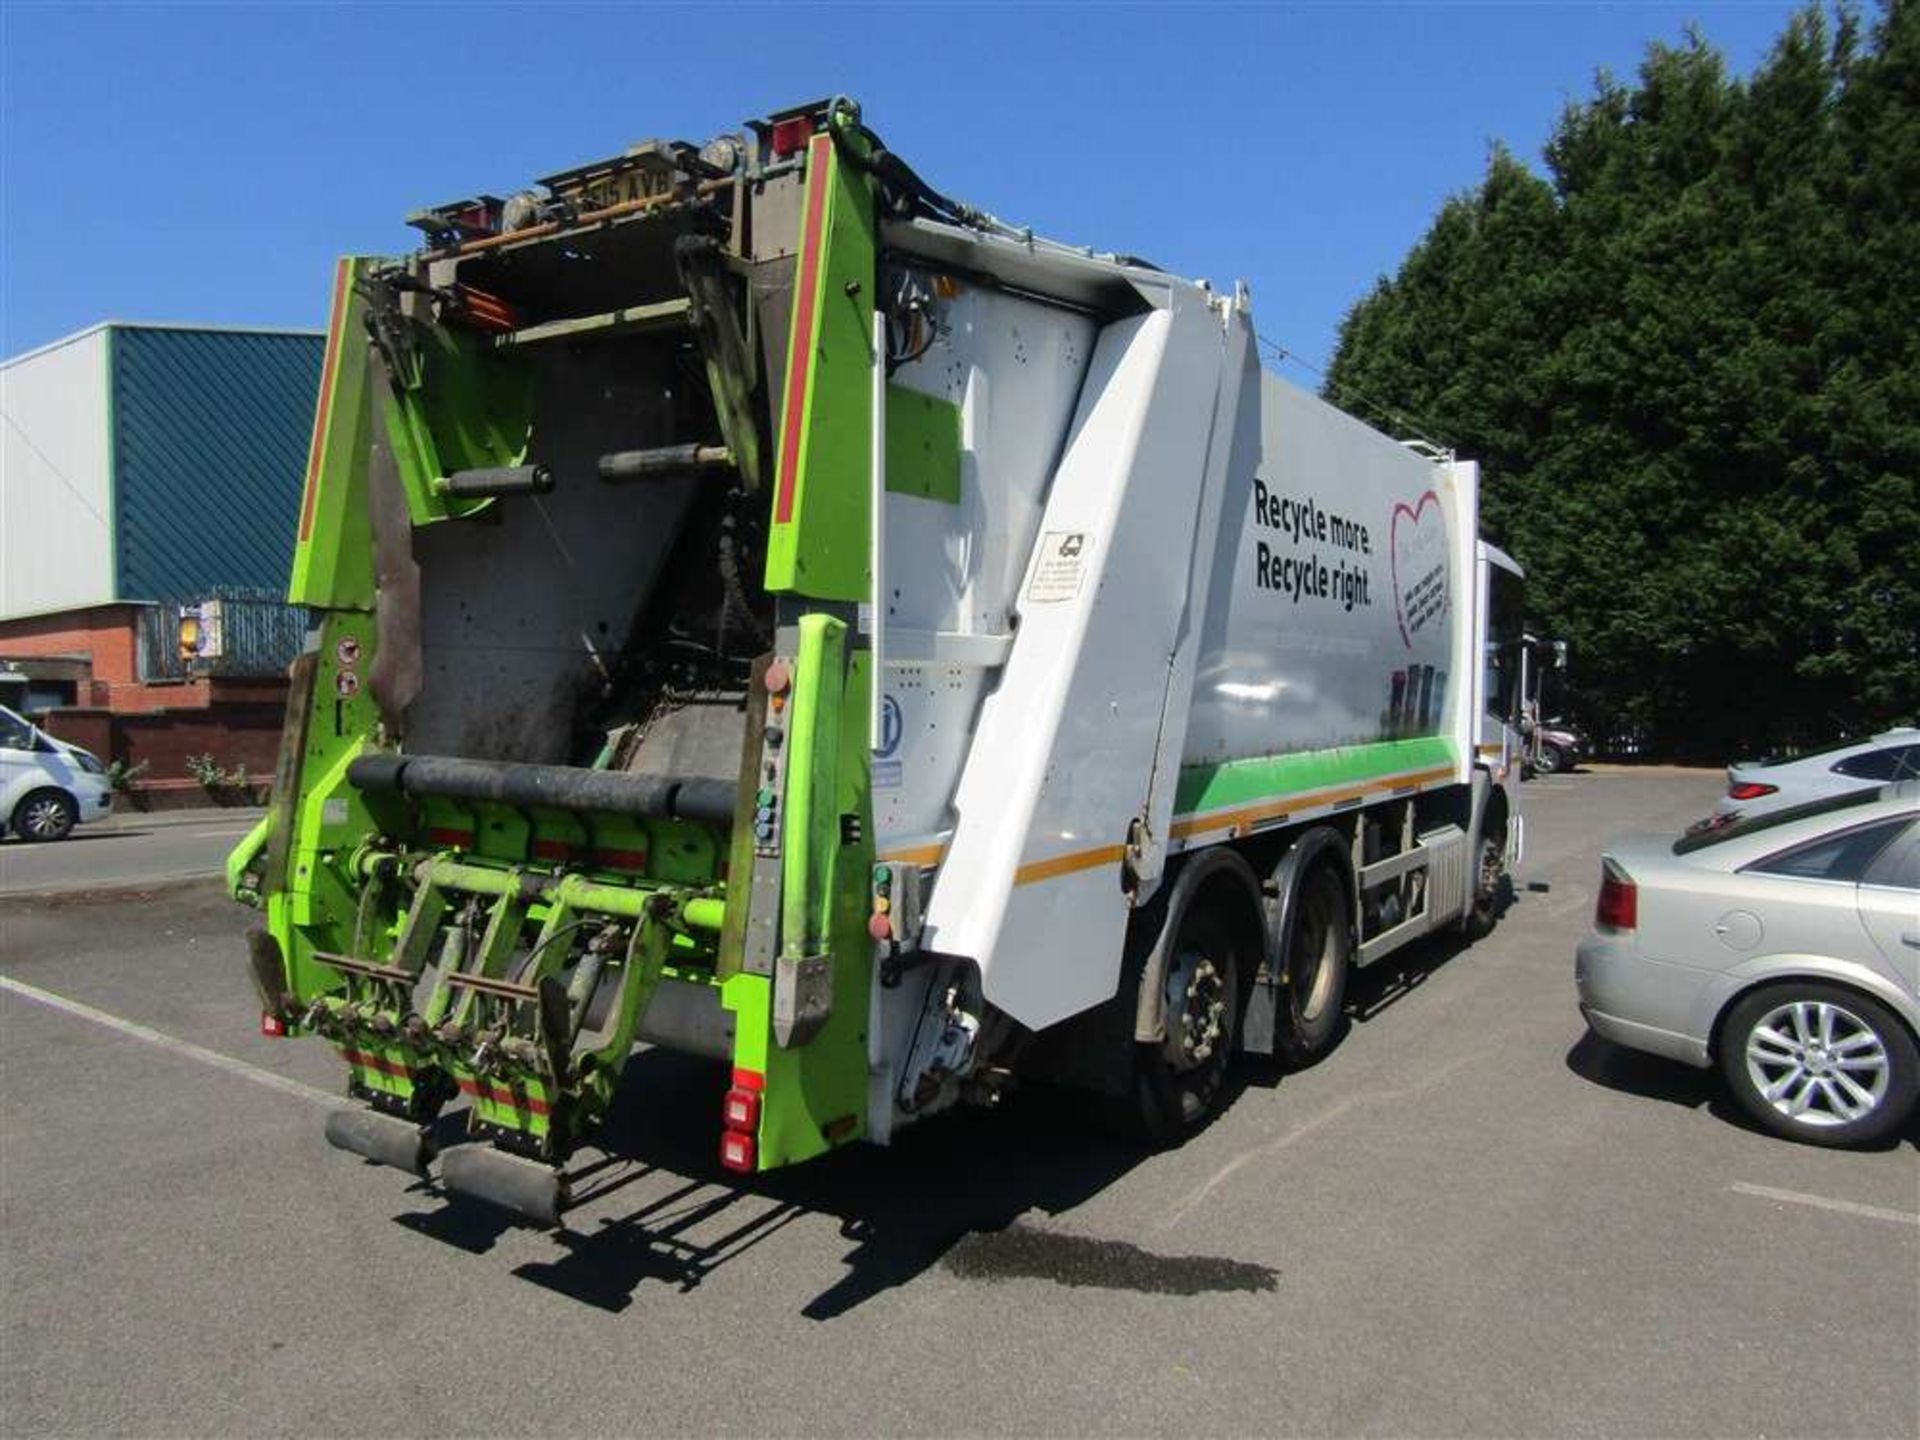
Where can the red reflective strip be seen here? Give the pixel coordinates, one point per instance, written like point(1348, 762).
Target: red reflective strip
point(551, 849)
point(621, 859)
point(499, 1096)
point(800, 362)
point(462, 838)
point(748, 1079)
point(377, 1062)
point(335, 323)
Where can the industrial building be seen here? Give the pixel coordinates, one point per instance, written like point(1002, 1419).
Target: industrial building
point(145, 471)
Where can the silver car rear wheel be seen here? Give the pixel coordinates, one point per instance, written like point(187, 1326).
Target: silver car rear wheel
point(1819, 1063)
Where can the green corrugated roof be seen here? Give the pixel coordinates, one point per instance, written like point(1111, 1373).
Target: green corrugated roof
point(210, 452)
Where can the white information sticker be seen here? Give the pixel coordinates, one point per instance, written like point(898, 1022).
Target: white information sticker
point(1056, 574)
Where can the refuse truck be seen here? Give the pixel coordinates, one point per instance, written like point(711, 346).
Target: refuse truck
point(767, 609)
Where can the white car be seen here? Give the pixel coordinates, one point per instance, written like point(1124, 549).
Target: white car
point(46, 785)
point(1757, 786)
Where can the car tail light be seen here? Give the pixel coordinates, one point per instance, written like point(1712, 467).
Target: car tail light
point(1618, 907)
point(1749, 790)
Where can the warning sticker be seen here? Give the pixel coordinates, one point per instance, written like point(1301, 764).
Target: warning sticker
point(1056, 575)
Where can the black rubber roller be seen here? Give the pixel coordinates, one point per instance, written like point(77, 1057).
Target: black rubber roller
point(384, 1138)
point(534, 1192)
point(505, 480)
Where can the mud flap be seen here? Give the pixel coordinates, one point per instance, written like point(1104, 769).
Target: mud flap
point(268, 970)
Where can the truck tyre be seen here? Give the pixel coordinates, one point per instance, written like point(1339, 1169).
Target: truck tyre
point(1319, 950)
point(1489, 885)
point(45, 815)
point(1178, 1080)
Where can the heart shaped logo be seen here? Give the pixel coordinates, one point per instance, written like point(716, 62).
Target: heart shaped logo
point(1418, 546)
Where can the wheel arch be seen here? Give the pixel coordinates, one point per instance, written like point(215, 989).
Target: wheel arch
point(1321, 845)
point(33, 790)
point(1218, 874)
point(1814, 971)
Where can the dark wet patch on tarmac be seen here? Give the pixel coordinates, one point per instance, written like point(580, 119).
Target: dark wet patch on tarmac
point(1021, 1253)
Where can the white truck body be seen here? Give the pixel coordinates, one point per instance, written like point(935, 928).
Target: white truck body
point(1181, 603)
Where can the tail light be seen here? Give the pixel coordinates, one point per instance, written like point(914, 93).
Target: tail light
point(741, 1111)
point(1749, 790)
point(791, 135)
point(1618, 907)
point(740, 1114)
point(272, 1024)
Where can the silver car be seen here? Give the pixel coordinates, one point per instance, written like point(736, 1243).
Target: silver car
point(1783, 948)
point(1757, 786)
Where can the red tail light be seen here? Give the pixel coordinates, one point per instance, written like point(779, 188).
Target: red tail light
point(738, 1151)
point(741, 1111)
point(272, 1024)
point(791, 135)
point(1618, 907)
point(1749, 790)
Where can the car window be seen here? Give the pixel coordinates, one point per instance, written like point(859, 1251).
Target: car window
point(1898, 867)
point(15, 733)
point(1892, 763)
point(1845, 856)
point(1813, 754)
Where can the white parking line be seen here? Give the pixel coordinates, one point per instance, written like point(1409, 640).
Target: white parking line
point(169, 1042)
point(1821, 1202)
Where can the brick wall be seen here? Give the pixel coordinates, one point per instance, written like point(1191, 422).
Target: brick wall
point(236, 735)
point(103, 635)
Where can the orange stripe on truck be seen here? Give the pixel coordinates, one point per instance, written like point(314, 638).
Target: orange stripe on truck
point(800, 358)
point(316, 448)
point(1056, 865)
point(1278, 808)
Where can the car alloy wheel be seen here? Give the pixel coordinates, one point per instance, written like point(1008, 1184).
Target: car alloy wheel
point(1817, 1063)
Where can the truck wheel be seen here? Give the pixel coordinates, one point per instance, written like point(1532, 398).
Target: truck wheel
point(1489, 885)
point(1319, 955)
point(45, 815)
point(1178, 1081)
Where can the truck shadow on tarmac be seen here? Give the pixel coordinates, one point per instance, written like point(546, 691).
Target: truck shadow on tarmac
point(954, 1193)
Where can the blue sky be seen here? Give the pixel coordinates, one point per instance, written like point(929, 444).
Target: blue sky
point(204, 163)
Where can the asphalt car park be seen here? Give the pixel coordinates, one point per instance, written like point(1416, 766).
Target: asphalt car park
point(1471, 1218)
